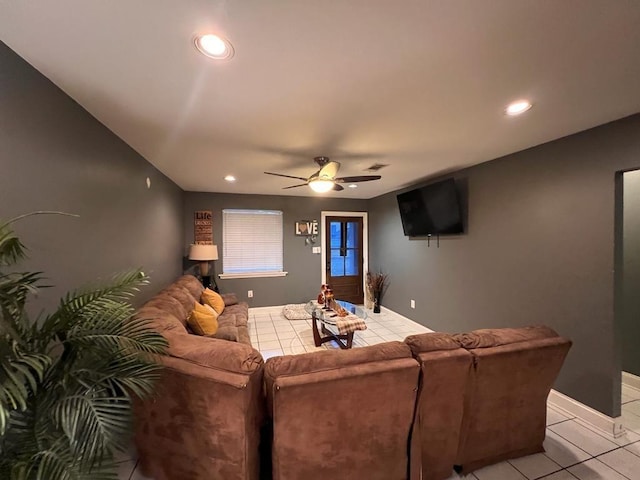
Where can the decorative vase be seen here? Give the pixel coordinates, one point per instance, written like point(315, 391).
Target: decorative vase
point(368, 298)
point(376, 305)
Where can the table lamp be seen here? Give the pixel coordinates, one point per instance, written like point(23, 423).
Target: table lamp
point(205, 254)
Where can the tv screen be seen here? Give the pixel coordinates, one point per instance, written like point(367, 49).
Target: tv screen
point(431, 210)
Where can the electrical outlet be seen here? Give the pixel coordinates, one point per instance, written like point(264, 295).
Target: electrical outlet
point(413, 304)
point(250, 294)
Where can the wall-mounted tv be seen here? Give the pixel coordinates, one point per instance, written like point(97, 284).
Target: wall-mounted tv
point(431, 210)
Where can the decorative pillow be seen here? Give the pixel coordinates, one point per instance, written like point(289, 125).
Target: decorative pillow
point(203, 320)
point(213, 299)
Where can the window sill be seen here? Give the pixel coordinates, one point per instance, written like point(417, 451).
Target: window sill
point(224, 276)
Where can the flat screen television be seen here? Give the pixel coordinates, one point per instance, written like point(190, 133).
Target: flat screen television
point(431, 210)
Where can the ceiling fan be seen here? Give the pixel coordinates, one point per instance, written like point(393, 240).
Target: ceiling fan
point(325, 179)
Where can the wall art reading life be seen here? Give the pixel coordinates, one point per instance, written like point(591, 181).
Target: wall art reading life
point(203, 227)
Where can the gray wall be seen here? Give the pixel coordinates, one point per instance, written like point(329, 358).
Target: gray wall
point(630, 301)
point(538, 248)
point(304, 267)
point(56, 156)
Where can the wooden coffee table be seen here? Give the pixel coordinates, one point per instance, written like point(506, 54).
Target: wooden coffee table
point(324, 323)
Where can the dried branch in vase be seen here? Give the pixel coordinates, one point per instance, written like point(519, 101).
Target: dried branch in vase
point(378, 283)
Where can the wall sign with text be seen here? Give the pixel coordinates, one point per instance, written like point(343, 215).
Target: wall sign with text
point(203, 227)
point(307, 227)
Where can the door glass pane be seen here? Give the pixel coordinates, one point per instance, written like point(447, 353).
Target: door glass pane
point(337, 263)
point(351, 262)
point(336, 234)
point(352, 234)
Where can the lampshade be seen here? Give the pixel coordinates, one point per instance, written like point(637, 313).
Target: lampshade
point(321, 185)
point(203, 253)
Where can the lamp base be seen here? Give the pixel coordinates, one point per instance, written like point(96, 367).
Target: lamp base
point(206, 282)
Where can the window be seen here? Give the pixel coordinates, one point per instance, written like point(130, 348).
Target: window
point(252, 243)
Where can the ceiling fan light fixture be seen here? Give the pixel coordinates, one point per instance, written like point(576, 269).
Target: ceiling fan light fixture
point(321, 185)
point(214, 46)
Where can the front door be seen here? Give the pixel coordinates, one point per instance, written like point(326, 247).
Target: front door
point(344, 257)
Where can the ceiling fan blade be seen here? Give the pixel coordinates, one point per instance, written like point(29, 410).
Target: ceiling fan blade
point(294, 186)
point(329, 170)
point(286, 176)
point(337, 187)
point(361, 178)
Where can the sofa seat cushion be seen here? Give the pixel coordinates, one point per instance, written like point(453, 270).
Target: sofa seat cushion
point(241, 309)
point(227, 332)
point(227, 320)
point(495, 337)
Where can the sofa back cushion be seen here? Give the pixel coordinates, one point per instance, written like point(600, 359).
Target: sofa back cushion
point(166, 302)
point(495, 337)
point(445, 369)
point(431, 342)
point(192, 284)
point(342, 414)
point(506, 402)
point(180, 294)
point(334, 359)
point(161, 320)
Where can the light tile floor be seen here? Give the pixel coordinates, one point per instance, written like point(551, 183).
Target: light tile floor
point(572, 449)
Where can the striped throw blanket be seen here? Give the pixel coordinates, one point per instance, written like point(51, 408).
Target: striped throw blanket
point(349, 324)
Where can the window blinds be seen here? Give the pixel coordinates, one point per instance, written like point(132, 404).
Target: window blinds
point(252, 241)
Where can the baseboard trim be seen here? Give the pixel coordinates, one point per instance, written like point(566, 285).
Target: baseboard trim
point(388, 310)
point(631, 380)
point(603, 424)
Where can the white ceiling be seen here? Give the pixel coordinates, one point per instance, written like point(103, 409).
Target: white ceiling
point(418, 84)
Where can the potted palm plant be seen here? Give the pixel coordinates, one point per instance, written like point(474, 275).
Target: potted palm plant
point(67, 380)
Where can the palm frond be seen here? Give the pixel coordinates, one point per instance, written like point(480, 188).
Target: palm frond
point(20, 375)
point(93, 424)
point(121, 288)
point(11, 249)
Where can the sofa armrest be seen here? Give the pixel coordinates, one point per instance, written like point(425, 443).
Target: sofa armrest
point(229, 299)
point(215, 353)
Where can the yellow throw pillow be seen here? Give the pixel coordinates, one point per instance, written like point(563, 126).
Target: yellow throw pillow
point(209, 297)
point(203, 320)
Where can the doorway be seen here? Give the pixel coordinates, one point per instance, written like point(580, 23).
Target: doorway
point(344, 254)
point(627, 310)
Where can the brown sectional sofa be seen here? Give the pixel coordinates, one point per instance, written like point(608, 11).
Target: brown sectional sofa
point(205, 418)
point(396, 410)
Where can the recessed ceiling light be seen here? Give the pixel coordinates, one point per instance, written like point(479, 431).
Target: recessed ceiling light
point(214, 46)
point(230, 178)
point(353, 185)
point(518, 107)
